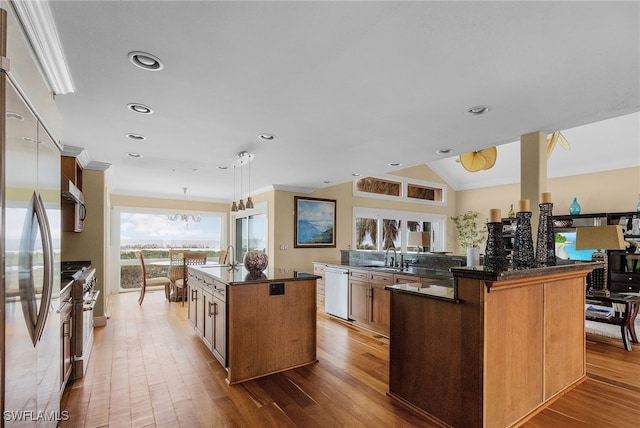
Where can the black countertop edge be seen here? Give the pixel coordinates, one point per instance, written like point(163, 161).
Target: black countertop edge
point(300, 276)
point(413, 270)
point(421, 291)
point(241, 276)
point(478, 272)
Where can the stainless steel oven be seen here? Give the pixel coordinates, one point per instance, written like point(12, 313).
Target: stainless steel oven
point(83, 298)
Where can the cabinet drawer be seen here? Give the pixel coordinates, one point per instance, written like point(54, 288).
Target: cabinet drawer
point(381, 278)
point(624, 287)
point(320, 287)
point(359, 274)
point(319, 269)
point(625, 277)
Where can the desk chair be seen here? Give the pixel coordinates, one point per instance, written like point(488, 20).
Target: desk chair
point(160, 280)
point(191, 258)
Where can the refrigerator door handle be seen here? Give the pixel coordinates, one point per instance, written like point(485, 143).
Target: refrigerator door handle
point(35, 315)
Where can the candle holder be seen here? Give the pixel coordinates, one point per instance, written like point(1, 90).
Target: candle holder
point(546, 243)
point(523, 256)
point(495, 257)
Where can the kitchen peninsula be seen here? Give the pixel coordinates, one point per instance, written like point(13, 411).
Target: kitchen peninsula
point(254, 324)
point(494, 349)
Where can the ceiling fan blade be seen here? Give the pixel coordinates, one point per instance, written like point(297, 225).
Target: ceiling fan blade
point(563, 142)
point(472, 161)
point(551, 144)
point(490, 155)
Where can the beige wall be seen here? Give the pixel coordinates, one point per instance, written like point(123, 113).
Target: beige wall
point(609, 191)
point(301, 259)
point(91, 243)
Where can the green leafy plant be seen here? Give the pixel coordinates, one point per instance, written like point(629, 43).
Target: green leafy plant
point(469, 234)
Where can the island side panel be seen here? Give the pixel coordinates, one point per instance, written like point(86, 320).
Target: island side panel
point(565, 347)
point(514, 351)
point(428, 340)
point(270, 333)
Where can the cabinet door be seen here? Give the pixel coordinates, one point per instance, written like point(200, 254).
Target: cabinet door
point(219, 344)
point(207, 318)
point(380, 308)
point(359, 301)
point(193, 305)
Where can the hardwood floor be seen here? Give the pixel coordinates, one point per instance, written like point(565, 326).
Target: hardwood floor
point(148, 369)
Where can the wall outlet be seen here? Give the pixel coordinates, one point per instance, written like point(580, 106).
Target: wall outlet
point(276, 289)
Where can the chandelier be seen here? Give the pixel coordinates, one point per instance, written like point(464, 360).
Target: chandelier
point(242, 158)
point(186, 217)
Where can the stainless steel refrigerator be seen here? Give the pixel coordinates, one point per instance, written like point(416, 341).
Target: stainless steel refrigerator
point(30, 193)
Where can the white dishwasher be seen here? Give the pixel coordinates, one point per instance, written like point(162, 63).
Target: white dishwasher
point(336, 292)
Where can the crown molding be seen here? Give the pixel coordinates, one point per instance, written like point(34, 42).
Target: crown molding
point(37, 22)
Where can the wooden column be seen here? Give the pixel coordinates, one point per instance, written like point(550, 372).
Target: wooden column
point(533, 173)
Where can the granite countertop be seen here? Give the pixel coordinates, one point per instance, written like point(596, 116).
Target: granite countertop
point(439, 291)
point(412, 270)
point(478, 272)
point(240, 275)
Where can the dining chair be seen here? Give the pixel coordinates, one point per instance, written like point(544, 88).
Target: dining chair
point(154, 281)
point(191, 258)
point(222, 258)
point(176, 269)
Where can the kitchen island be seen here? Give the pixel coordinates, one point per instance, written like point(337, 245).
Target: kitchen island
point(493, 349)
point(254, 324)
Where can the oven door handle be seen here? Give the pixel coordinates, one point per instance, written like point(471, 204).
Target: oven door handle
point(62, 306)
point(94, 298)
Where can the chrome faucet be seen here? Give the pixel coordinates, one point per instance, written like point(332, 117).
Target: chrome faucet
point(393, 259)
point(233, 265)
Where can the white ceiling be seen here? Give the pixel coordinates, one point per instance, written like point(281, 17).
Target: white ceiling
point(346, 87)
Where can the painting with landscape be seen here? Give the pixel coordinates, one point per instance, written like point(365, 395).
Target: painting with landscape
point(315, 222)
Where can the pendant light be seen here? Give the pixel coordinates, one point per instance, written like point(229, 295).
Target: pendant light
point(234, 207)
point(249, 201)
point(241, 206)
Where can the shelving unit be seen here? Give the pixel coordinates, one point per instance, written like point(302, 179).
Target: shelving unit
point(623, 270)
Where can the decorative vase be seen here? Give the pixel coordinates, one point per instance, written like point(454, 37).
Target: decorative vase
point(523, 257)
point(512, 213)
point(638, 206)
point(473, 256)
point(256, 261)
point(495, 256)
point(574, 208)
point(546, 243)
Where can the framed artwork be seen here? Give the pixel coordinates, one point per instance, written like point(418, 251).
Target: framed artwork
point(315, 222)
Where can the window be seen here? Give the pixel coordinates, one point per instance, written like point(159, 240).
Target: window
point(250, 229)
point(151, 231)
point(401, 189)
point(378, 230)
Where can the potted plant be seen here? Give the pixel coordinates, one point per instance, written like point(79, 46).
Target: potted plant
point(470, 235)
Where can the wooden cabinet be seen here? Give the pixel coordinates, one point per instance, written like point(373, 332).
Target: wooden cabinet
point(71, 169)
point(380, 301)
point(217, 313)
point(208, 312)
point(368, 300)
point(505, 348)
point(319, 269)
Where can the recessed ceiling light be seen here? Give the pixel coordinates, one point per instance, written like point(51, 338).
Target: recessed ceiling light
point(223, 167)
point(140, 108)
point(477, 110)
point(267, 137)
point(395, 164)
point(135, 137)
point(134, 155)
point(444, 151)
point(145, 61)
point(356, 174)
point(14, 115)
point(327, 181)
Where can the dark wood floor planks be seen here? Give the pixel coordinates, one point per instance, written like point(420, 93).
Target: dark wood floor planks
point(148, 369)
